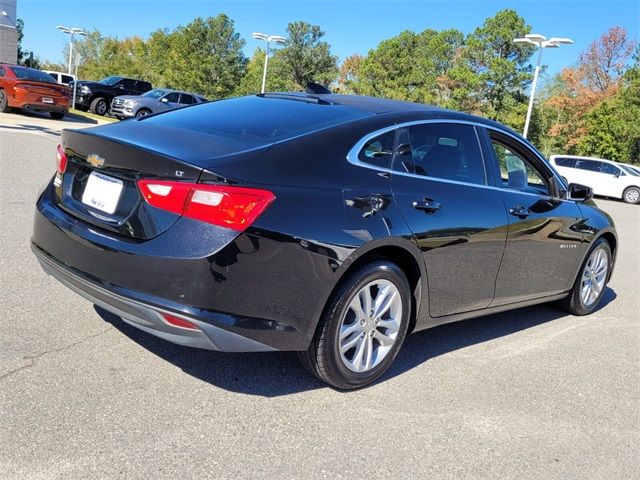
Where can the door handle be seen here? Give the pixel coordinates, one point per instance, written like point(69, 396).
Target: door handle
point(520, 211)
point(428, 205)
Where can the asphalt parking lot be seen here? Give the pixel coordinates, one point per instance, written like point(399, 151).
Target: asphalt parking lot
point(532, 393)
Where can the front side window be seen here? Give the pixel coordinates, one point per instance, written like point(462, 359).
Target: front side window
point(172, 97)
point(447, 151)
point(2, 72)
point(517, 173)
point(379, 150)
point(609, 169)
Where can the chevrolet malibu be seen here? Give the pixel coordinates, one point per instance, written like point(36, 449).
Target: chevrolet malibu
point(325, 224)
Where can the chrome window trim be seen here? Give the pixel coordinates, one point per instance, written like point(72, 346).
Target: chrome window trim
point(352, 155)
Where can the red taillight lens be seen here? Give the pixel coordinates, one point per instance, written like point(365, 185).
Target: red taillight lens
point(179, 322)
point(61, 160)
point(231, 207)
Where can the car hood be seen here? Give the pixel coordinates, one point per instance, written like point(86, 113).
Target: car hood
point(138, 98)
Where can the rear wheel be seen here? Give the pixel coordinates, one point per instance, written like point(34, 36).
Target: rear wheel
point(98, 106)
point(589, 287)
point(631, 195)
point(4, 102)
point(362, 327)
point(57, 115)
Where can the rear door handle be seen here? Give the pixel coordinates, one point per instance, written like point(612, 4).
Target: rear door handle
point(520, 211)
point(427, 204)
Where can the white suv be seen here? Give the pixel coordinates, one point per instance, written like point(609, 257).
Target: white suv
point(607, 178)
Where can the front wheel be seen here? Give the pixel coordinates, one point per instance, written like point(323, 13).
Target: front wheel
point(631, 195)
point(589, 287)
point(4, 102)
point(362, 327)
point(143, 112)
point(98, 106)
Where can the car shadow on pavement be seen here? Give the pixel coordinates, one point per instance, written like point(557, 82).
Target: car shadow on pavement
point(279, 373)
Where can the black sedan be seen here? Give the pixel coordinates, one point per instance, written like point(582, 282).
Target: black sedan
point(326, 224)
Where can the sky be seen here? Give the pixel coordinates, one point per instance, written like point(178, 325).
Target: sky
point(351, 26)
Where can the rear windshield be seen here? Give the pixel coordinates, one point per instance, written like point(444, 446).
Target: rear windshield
point(24, 73)
point(258, 119)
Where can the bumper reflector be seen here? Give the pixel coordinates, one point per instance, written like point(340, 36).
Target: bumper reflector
point(178, 322)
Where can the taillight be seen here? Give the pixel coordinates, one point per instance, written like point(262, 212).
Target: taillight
point(231, 207)
point(61, 160)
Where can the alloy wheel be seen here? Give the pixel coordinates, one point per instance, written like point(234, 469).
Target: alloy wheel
point(632, 195)
point(370, 326)
point(594, 276)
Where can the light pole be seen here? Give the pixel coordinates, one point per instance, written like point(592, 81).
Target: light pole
point(541, 42)
point(268, 39)
point(72, 32)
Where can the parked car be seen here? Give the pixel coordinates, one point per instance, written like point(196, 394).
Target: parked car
point(61, 77)
point(332, 225)
point(30, 89)
point(605, 177)
point(153, 101)
point(97, 96)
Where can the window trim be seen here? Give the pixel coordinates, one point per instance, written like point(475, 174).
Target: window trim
point(482, 133)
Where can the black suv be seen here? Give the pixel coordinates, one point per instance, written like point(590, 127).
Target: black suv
point(97, 96)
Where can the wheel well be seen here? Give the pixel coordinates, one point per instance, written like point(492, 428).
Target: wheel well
point(610, 237)
point(407, 263)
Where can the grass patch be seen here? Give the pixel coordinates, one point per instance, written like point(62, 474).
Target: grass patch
point(80, 113)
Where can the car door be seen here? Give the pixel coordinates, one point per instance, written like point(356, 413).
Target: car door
point(439, 182)
point(613, 180)
point(170, 100)
point(544, 242)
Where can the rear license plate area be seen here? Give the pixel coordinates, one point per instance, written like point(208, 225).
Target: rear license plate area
point(102, 192)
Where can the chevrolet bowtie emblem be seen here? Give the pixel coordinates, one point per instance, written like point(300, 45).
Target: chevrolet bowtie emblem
point(95, 160)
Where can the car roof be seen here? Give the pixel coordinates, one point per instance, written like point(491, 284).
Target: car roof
point(379, 105)
point(581, 157)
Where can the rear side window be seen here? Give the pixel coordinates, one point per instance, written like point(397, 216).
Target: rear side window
point(258, 120)
point(187, 99)
point(441, 150)
point(143, 86)
point(379, 150)
point(565, 162)
point(2, 71)
point(590, 165)
point(66, 79)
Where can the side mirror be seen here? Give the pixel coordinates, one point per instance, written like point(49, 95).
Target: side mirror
point(579, 193)
point(617, 174)
point(164, 100)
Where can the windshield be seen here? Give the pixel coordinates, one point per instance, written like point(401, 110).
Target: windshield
point(110, 80)
point(258, 120)
point(156, 93)
point(629, 170)
point(24, 73)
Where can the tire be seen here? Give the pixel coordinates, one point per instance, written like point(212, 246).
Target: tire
point(99, 106)
point(57, 115)
point(575, 302)
point(4, 102)
point(340, 370)
point(631, 195)
point(143, 112)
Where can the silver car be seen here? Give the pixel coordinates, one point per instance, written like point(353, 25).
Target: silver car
point(153, 101)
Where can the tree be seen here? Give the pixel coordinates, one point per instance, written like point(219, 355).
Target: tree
point(305, 57)
point(206, 56)
point(502, 66)
point(251, 82)
point(348, 73)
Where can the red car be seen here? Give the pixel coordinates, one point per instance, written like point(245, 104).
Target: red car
point(30, 89)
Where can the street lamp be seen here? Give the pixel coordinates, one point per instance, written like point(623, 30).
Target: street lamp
point(72, 32)
point(541, 42)
point(268, 39)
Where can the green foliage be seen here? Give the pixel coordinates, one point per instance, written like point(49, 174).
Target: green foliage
point(305, 57)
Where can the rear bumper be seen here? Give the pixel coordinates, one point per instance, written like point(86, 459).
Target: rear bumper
point(147, 317)
point(205, 274)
